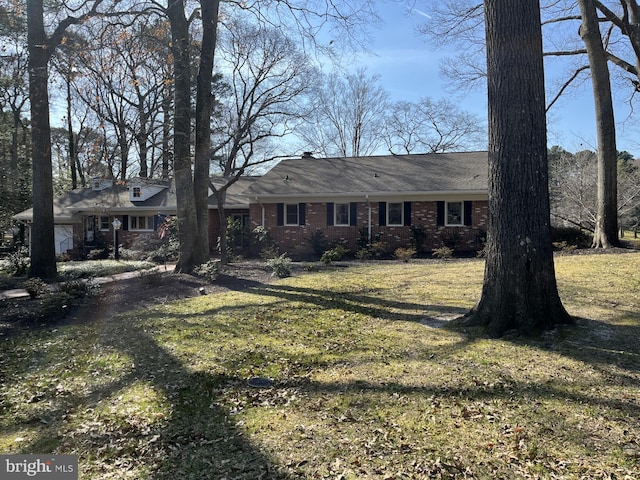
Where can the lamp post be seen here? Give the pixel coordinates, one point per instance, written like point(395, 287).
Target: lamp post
point(116, 226)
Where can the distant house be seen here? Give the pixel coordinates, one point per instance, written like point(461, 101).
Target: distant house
point(83, 218)
point(392, 199)
point(352, 201)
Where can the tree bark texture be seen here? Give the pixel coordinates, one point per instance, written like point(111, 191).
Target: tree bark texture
point(222, 218)
point(186, 211)
point(43, 257)
point(204, 108)
point(606, 228)
point(519, 290)
point(73, 157)
point(167, 158)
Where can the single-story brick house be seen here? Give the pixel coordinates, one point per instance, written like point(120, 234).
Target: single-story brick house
point(442, 197)
point(351, 200)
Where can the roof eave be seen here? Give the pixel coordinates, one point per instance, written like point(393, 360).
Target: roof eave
point(435, 193)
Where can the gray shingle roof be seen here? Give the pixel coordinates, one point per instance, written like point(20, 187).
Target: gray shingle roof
point(115, 199)
point(385, 174)
point(235, 197)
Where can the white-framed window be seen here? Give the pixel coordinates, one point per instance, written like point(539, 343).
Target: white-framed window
point(454, 214)
point(395, 214)
point(341, 212)
point(137, 192)
point(140, 222)
point(291, 214)
point(104, 223)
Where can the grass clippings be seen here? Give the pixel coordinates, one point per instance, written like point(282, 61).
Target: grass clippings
point(365, 383)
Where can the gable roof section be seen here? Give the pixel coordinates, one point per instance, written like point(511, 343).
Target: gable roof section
point(116, 200)
point(378, 175)
point(69, 203)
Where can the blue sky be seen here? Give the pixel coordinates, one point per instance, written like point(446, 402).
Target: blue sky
point(409, 69)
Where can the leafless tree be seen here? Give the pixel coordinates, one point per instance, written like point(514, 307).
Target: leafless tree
point(432, 126)
point(122, 77)
point(42, 40)
point(572, 185)
point(302, 17)
point(267, 81)
point(15, 183)
point(346, 115)
point(629, 193)
point(572, 181)
point(606, 228)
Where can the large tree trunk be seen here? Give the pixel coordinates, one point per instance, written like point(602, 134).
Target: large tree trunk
point(71, 139)
point(606, 228)
point(166, 131)
point(222, 219)
point(204, 107)
point(43, 256)
point(519, 290)
point(141, 137)
point(186, 211)
point(123, 145)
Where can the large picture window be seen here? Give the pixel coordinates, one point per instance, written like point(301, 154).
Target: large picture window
point(140, 222)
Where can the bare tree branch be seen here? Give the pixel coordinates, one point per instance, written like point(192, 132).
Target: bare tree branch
point(566, 85)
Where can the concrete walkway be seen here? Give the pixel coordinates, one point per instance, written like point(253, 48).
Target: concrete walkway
point(22, 293)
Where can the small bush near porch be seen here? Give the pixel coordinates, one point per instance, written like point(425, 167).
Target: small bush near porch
point(365, 382)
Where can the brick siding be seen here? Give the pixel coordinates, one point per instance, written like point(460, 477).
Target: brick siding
point(295, 240)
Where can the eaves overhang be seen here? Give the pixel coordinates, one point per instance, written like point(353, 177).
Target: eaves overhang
point(371, 195)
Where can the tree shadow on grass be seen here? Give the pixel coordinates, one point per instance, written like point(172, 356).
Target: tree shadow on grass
point(199, 438)
point(612, 348)
point(366, 304)
point(195, 439)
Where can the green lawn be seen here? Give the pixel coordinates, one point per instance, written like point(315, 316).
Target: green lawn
point(365, 383)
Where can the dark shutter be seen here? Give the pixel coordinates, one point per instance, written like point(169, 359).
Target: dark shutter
point(125, 222)
point(468, 213)
point(302, 214)
point(280, 214)
point(407, 214)
point(157, 220)
point(440, 214)
point(353, 214)
point(330, 207)
point(382, 213)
